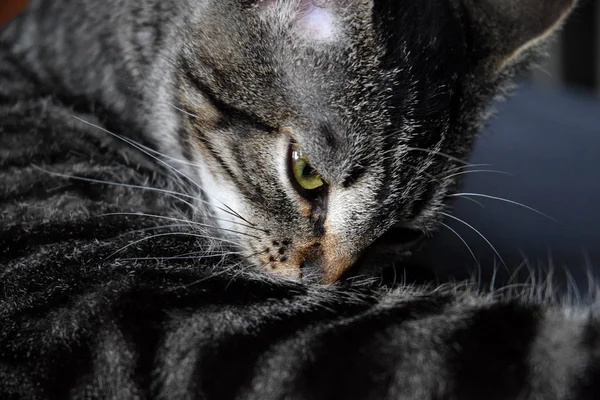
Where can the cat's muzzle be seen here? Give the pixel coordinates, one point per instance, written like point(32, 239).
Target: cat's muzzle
point(396, 244)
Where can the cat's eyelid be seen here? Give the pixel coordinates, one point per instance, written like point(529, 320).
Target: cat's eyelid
point(290, 133)
point(228, 111)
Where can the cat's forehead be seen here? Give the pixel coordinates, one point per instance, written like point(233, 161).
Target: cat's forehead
point(298, 49)
point(329, 63)
point(344, 61)
point(311, 20)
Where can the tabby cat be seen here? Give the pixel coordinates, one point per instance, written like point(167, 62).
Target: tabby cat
point(153, 154)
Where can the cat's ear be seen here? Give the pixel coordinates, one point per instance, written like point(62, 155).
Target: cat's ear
point(502, 30)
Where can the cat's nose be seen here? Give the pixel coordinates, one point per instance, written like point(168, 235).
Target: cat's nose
point(324, 265)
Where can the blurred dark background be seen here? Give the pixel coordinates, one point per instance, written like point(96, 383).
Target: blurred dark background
point(546, 139)
point(575, 56)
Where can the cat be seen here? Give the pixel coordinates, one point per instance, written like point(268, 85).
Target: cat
point(334, 128)
point(312, 129)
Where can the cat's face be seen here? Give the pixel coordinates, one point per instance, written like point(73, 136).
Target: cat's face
point(331, 127)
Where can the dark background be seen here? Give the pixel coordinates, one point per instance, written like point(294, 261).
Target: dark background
point(547, 138)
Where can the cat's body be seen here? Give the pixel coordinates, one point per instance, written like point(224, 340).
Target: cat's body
point(84, 318)
point(160, 305)
point(92, 306)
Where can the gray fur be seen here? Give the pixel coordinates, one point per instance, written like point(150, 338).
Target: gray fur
point(399, 103)
point(98, 307)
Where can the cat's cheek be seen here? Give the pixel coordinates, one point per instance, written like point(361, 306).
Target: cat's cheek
point(349, 212)
point(220, 195)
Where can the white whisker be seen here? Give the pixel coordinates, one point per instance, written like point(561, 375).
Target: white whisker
point(480, 234)
point(182, 220)
point(486, 196)
point(153, 228)
point(433, 152)
point(240, 224)
point(492, 171)
point(462, 240)
point(422, 172)
point(141, 148)
point(462, 167)
point(127, 185)
point(178, 160)
point(183, 111)
point(471, 200)
point(215, 274)
point(171, 234)
point(200, 256)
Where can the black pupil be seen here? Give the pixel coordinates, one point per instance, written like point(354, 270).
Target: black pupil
point(308, 170)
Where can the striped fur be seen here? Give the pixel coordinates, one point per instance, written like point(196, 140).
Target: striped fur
point(384, 97)
point(81, 321)
point(98, 303)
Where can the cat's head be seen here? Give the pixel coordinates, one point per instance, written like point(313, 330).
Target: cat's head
point(330, 127)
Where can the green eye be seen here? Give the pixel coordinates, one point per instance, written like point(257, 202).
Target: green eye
point(306, 176)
